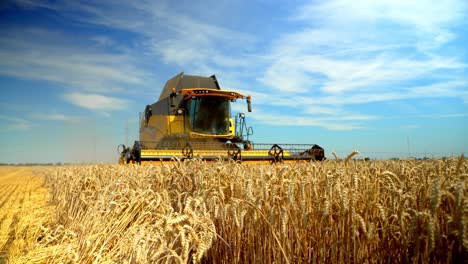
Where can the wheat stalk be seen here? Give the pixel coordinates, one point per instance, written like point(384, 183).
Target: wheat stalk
point(226, 212)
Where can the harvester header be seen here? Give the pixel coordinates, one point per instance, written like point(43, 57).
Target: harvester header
point(192, 118)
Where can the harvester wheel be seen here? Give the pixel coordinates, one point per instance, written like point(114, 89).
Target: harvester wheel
point(187, 151)
point(234, 152)
point(277, 153)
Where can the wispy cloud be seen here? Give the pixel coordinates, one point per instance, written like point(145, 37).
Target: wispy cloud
point(52, 117)
point(164, 31)
point(348, 49)
point(366, 52)
point(331, 123)
point(31, 4)
point(14, 124)
point(96, 101)
point(436, 90)
point(449, 115)
point(104, 64)
point(430, 116)
point(49, 59)
point(416, 13)
point(334, 55)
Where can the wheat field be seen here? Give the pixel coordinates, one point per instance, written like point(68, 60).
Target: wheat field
point(348, 211)
point(24, 210)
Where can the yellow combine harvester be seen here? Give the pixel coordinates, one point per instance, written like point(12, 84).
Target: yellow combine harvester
point(192, 119)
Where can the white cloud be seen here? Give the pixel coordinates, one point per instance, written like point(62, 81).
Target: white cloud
point(430, 116)
point(31, 4)
point(436, 90)
point(166, 32)
point(50, 57)
point(53, 117)
point(336, 54)
point(96, 101)
point(423, 15)
point(103, 41)
point(307, 71)
point(450, 115)
point(346, 52)
point(337, 122)
point(318, 110)
point(193, 43)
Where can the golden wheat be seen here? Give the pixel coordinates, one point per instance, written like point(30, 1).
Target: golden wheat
point(225, 212)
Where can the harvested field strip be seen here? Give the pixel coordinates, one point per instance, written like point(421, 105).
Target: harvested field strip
point(7, 192)
point(7, 216)
point(24, 211)
point(11, 234)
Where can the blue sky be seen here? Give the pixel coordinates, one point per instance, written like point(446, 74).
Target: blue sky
point(388, 78)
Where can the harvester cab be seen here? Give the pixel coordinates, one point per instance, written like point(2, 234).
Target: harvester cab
point(192, 118)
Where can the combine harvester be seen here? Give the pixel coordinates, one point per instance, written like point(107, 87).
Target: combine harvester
point(192, 119)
